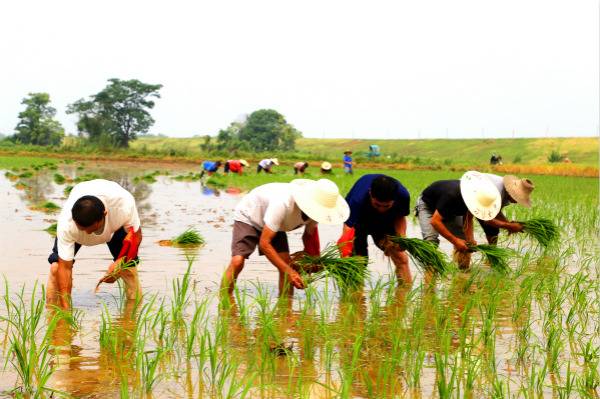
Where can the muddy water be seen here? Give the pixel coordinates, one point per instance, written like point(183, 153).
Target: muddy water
point(167, 207)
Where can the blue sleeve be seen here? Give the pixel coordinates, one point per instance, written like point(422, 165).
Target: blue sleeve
point(403, 201)
point(355, 200)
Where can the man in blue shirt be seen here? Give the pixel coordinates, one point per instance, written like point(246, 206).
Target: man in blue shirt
point(210, 167)
point(379, 205)
point(348, 164)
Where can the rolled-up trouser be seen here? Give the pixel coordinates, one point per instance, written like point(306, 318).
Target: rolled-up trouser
point(424, 214)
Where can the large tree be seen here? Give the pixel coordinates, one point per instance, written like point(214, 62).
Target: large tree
point(267, 130)
point(36, 123)
point(120, 112)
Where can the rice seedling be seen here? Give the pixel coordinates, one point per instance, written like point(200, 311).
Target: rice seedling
point(67, 190)
point(189, 238)
point(51, 229)
point(59, 179)
point(424, 253)
point(114, 275)
point(497, 257)
point(348, 273)
point(26, 175)
point(46, 207)
point(86, 177)
point(11, 176)
point(543, 230)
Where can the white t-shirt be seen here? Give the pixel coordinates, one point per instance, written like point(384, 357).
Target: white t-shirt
point(121, 212)
point(265, 163)
point(499, 183)
point(270, 205)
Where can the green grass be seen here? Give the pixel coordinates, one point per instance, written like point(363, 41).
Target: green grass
point(188, 237)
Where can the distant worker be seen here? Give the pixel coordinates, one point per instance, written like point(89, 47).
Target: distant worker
point(267, 165)
point(96, 212)
point(447, 207)
point(235, 166)
point(496, 160)
point(348, 163)
point(326, 168)
point(378, 205)
point(210, 167)
point(300, 167)
point(512, 191)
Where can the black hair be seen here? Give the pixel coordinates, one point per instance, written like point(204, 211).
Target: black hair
point(87, 210)
point(384, 188)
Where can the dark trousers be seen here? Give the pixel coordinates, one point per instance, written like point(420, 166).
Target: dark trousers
point(114, 245)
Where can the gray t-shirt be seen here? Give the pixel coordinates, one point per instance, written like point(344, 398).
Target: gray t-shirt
point(271, 205)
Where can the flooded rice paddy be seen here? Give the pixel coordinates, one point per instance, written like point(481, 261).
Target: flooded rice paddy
point(532, 333)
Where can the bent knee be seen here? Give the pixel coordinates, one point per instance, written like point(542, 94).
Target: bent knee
point(54, 269)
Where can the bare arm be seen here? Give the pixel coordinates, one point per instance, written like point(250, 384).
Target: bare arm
point(269, 251)
point(501, 222)
point(400, 226)
point(64, 278)
point(436, 222)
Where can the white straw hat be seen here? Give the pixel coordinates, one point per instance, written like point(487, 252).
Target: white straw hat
point(480, 195)
point(244, 162)
point(326, 166)
point(275, 161)
point(320, 200)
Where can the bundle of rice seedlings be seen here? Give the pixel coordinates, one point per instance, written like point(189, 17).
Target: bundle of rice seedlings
point(51, 229)
point(497, 257)
point(59, 179)
point(424, 253)
point(348, 273)
point(543, 230)
point(119, 267)
point(47, 207)
point(188, 237)
point(67, 190)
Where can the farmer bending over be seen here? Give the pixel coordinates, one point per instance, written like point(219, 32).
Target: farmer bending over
point(210, 167)
point(447, 207)
point(96, 212)
point(267, 165)
point(512, 191)
point(264, 216)
point(378, 207)
point(300, 167)
point(235, 166)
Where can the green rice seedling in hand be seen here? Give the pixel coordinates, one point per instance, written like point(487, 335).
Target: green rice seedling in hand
point(114, 275)
point(189, 237)
point(349, 272)
point(543, 230)
point(424, 253)
point(51, 229)
point(496, 256)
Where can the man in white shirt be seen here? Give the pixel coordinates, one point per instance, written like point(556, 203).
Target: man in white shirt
point(96, 212)
point(264, 216)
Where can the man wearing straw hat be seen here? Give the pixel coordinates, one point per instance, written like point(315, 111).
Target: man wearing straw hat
point(447, 207)
point(267, 165)
point(379, 205)
point(235, 166)
point(268, 212)
point(512, 191)
point(348, 163)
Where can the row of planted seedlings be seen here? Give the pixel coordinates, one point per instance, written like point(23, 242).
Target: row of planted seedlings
point(528, 335)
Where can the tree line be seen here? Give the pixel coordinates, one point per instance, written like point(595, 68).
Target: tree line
point(120, 112)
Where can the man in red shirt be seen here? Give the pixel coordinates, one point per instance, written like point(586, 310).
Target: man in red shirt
point(235, 166)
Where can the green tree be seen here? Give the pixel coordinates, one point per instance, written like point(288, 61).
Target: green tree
point(36, 123)
point(267, 130)
point(119, 113)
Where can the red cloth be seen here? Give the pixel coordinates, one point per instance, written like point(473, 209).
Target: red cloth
point(235, 166)
point(131, 243)
point(312, 244)
point(346, 243)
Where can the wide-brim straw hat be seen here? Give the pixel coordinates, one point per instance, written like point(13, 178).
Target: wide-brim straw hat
point(326, 166)
point(480, 195)
point(244, 162)
point(275, 161)
point(320, 200)
point(519, 189)
point(348, 152)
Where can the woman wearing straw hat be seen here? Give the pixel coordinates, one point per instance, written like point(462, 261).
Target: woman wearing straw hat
point(300, 167)
point(447, 207)
point(512, 191)
point(235, 166)
point(268, 212)
point(267, 165)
